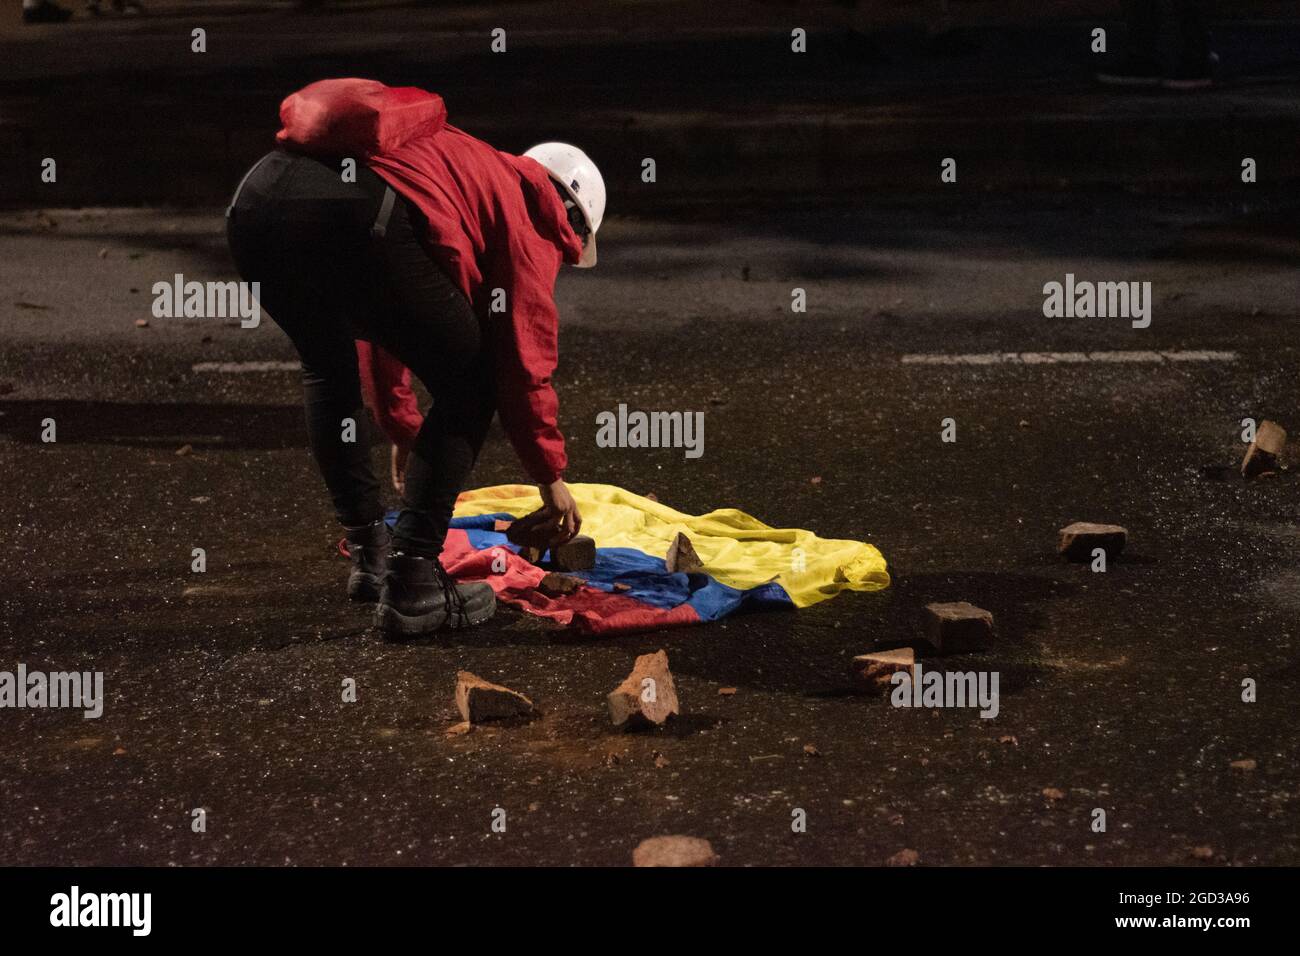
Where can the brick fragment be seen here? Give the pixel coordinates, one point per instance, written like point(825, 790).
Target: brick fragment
point(647, 697)
point(479, 700)
point(957, 626)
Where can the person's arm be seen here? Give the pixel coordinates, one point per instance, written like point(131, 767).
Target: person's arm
point(526, 339)
point(526, 343)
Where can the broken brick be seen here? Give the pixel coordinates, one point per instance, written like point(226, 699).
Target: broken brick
point(681, 556)
point(875, 672)
point(957, 627)
point(904, 858)
point(576, 554)
point(647, 697)
point(535, 531)
point(674, 851)
point(1264, 452)
point(1078, 540)
point(556, 585)
point(479, 700)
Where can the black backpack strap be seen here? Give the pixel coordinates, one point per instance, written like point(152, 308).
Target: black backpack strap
point(380, 227)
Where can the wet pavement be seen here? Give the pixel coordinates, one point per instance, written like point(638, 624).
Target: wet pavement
point(1122, 689)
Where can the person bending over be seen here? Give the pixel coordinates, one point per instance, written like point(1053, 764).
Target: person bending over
point(386, 240)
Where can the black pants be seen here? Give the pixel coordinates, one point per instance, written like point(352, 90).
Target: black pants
point(305, 235)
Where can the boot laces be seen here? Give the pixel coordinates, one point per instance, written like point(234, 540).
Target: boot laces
point(454, 599)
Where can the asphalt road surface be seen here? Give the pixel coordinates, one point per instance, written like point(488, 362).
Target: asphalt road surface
point(1122, 690)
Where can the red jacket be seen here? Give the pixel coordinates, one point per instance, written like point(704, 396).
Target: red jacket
point(495, 222)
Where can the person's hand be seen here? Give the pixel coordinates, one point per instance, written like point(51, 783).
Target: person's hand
point(559, 507)
point(400, 457)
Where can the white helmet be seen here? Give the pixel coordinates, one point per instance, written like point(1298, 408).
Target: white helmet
point(578, 175)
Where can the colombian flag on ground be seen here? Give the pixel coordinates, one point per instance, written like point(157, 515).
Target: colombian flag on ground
point(747, 565)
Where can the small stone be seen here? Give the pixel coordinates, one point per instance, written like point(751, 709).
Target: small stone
point(660, 760)
point(811, 750)
point(726, 692)
point(1052, 793)
point(576, 554)
point(1202, 853)
point(1078, 540)
point(1263, 454)
point(957, 627)
point(682, 558)
point(904, 858)
point(557, 585)
point(184, 450)
point(479, 700)
point(1009, 739)
point(620, 586)
point(650, 496)
point(647, 697)
point(612, 760)
point(103, 252)
point(875, 672)
point(1246, 764)
point(142, 323)
point(674, 851)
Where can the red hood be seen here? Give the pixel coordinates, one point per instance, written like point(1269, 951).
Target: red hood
point(353, 117)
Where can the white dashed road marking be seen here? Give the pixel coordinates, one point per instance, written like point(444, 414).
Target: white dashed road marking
point(1065, 358)
point(235, 368)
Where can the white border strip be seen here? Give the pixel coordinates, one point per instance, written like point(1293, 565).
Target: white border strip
point(1068, 358)
point(236, 368)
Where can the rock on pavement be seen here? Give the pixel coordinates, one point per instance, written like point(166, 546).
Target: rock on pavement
point(479, 700)
point(647, 697)
point(1263, 454)
point(957, 626)
point(674, 851)
point(1078, 540)
point(874, 672)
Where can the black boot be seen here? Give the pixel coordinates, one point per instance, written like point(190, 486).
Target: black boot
point(368, 547)
point(418, 597)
